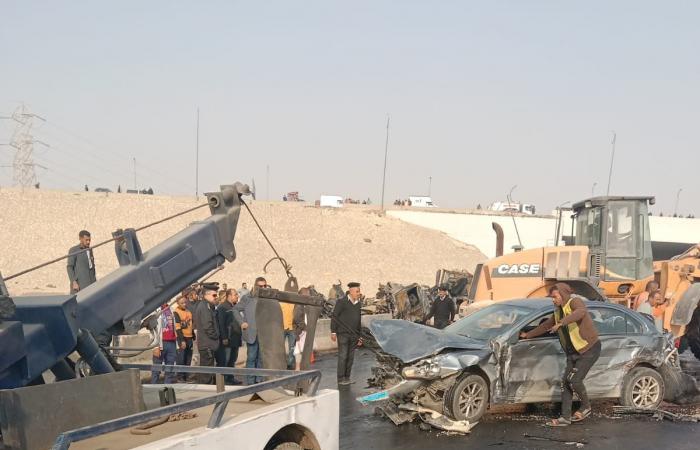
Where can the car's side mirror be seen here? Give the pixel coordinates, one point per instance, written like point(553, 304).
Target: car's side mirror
point(514, 338)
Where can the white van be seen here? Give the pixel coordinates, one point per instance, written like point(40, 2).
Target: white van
point(333, 201)
point(421, 201)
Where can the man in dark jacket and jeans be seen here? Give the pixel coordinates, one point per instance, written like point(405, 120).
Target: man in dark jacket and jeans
point(579, 339)
point(204, 318)
point(345, 329)
point(442, 310)
point(229, 333)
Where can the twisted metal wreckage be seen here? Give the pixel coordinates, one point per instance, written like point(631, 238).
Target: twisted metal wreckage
point(435, 375)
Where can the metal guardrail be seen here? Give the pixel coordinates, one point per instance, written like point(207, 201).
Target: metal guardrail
point(219, 399)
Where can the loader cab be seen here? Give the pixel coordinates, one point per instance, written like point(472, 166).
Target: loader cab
point(616, 231)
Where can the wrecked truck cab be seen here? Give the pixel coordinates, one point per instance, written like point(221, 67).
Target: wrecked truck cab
point(480, 360)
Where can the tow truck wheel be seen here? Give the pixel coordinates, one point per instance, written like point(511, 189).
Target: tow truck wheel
point(643, 388)
point(467, 399)
point(289, 446)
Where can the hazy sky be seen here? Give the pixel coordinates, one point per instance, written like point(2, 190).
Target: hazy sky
point(482, 96)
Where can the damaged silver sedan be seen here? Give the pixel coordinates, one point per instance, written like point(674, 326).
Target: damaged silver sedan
point(480, 361)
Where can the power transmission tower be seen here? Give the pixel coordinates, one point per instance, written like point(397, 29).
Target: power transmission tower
point(23, 165)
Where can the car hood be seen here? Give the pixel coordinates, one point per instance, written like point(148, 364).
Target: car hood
point(410, 341)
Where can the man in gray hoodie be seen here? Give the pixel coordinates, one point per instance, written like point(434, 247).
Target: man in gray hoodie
point(244, 313)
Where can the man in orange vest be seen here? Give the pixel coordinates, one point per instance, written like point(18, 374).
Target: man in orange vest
point(185, 335)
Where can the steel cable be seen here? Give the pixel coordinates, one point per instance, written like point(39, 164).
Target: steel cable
point(55, 260)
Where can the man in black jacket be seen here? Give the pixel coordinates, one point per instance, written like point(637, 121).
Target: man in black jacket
point(345, 329)
point(204, 319)
point(443, 309)
point(229, 333)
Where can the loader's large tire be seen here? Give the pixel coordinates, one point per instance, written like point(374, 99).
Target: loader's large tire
point(692, 333)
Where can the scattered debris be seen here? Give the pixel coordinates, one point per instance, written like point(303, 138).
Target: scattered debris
point(144, 430)
point(437, 420)
point(658, 414)
point(578, 444)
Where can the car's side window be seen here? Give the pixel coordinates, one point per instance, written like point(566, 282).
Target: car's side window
point(610, 321)
point(535, 323)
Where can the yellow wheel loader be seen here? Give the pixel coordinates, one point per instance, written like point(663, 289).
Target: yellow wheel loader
point(610, 260)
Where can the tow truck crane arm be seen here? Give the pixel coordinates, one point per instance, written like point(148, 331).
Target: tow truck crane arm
point(43, 330)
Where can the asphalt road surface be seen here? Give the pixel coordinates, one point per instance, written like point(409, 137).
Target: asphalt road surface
point(360, 428)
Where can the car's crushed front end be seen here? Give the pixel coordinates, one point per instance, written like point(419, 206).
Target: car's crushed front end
point(418, 367)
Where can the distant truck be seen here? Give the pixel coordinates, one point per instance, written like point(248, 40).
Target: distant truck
point(421, 201)
point(333, 201)
point(523, 208)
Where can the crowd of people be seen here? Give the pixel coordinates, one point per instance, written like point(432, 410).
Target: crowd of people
point(217, 322)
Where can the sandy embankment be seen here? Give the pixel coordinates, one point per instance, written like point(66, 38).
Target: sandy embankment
point(323, 245)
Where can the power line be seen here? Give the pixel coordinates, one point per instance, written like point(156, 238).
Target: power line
point(120, 169)
point(23, 166)
point(126, 162)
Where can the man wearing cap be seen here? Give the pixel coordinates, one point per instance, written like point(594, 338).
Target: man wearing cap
point(443, 309)
point(345, 329)
point(205, 323)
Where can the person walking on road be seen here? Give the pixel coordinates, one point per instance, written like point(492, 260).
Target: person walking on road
point(207, 329)
point(579, 339)
point(290, 337)
point(185, 335)
point(300, 320)
point(442, 310)
point(81, 264)
point(229, 333)
point(166, 351)
point(345, 329)
point(244, 313)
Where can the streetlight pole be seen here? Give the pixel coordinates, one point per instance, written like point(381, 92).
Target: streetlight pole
point(512, 215)
point(196, 163)
point(678, 195)
point(430, 187)
point(612, 159)
point(386, 151)
point(593, 188)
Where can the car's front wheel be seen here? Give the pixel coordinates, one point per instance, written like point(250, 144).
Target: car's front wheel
point(643, 388)
point(467, 399)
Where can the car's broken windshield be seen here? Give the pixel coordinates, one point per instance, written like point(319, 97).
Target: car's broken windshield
point(489, 322)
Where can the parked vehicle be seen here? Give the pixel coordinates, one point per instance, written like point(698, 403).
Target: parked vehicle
point(333, 201)
point(422, 201)
point(480, 361)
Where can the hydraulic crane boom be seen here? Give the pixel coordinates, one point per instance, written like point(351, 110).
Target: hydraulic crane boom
point(44, 330)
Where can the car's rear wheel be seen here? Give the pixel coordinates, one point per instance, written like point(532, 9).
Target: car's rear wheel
point(643, 388)
point(467, 399)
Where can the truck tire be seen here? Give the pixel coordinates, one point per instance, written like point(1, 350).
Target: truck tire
point(467, 399)
point(289, 446)
point(692, 333)
point(642, 388)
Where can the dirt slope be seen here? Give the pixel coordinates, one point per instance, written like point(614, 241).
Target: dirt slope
point(323, 245)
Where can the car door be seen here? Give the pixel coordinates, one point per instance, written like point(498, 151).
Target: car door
point(621, 341)
point(533, 368)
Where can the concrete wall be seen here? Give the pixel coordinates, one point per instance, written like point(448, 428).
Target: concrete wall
point(538, 231)
point(475, 229)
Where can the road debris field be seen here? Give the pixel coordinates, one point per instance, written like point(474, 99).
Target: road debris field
point(517, 426)
point(449, 380)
